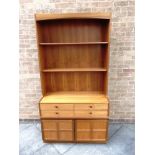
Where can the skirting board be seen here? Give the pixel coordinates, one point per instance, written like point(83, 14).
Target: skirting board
point(111, 120)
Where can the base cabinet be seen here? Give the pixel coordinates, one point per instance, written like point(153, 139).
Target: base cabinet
point(74, 130)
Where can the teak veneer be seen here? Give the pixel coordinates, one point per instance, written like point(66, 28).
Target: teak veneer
point(73, 52)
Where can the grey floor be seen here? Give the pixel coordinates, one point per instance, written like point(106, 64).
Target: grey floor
point(121, 142)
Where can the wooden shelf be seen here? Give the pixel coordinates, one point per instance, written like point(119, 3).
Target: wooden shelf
point(75, 70)
point(78, 43)
point(75, 97)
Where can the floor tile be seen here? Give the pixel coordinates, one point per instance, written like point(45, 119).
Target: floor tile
point(121, 142)
point(62, 148)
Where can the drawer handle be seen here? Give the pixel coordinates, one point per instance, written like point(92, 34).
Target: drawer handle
point(90, 113)
point(56, 113)
point(56, 106)
point(90, 106)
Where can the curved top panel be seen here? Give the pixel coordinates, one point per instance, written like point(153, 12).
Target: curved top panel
point(50, 16)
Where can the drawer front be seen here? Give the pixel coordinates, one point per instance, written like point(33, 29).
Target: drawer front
point(56, 106)
point(47, 114)
point(56, 114)
point(81, 114)
point(91, 106)
point(83, 106)
point(66, 114)
point(99, 114)
point(101, 106)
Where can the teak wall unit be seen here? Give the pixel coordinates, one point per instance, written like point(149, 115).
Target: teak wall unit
point(74, 57)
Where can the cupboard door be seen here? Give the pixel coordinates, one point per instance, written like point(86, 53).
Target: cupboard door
point(58, 130)
point(91, 130)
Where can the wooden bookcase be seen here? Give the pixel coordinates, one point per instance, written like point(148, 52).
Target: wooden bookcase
point(74, 62)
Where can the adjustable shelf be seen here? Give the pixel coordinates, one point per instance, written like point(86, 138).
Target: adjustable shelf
point(75, 70)
point(77, 43)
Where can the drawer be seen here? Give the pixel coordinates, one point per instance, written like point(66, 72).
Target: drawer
point(81, 114)
point(83, 106)
point(99, 113)
point(56, 114)
point(56, 106)
point(91, 106)
point(100, 106)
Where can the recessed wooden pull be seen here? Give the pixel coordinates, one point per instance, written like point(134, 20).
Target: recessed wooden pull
point(90, 113)
point(56, 113)
point(56, 106)
point(90, 106)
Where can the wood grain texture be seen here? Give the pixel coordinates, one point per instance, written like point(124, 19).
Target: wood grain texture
point(48, 16)
point(77, 56)
point(74, 64)
point(75, 97)
point(75, 70)
point(76, 43)
point(57, 130)
point(75, 81)
point(73, 31)
point(91, 130)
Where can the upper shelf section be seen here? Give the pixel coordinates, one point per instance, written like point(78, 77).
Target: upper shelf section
point(73, 31)
point(78, 43)
point(40, 17)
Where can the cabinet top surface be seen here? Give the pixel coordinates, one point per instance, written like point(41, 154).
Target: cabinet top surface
point(50, 16)
point(75, 97)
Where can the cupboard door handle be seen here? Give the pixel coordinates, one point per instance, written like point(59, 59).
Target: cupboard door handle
point(56, 106)
point(90, 106)
point(90, 113)
point(56, 113)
